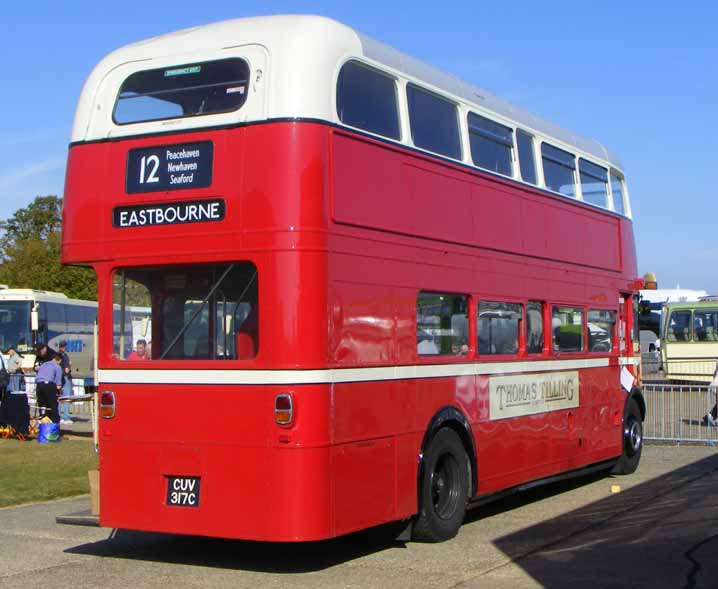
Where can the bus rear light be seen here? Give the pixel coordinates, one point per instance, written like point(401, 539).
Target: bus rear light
point(283, 409)
point(107, 404)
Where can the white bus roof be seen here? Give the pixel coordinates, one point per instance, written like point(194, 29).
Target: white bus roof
point(45, 296)
point(672, 295)
point(305, 53)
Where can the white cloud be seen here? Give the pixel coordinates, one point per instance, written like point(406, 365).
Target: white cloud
point(13, 138)
point(11, 177)
point(710, 254)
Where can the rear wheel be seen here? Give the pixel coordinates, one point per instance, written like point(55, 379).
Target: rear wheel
point(444, 488)
point(632, 440)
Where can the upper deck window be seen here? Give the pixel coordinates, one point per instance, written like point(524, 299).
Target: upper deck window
point(183, 91)
point(594, 183)
point(527, 162)
point(366, 99)
point(491, 144)
point(617, 190)
point(559, 169)
point(434, 122)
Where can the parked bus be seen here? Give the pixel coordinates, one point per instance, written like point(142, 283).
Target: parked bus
point(651, 308)
point(377, 293)
point(29, 318)
point(689, 340)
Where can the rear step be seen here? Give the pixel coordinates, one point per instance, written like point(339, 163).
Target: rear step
point(79, 518)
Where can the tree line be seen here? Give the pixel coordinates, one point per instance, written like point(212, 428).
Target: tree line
point(30, 252)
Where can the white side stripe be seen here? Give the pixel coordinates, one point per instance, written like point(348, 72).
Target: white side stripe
point(338, 375)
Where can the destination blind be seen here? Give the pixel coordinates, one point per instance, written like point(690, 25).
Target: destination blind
point(169, 167)
point(197, 211)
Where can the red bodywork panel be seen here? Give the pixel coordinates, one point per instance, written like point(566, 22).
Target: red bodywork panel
point(344, 232)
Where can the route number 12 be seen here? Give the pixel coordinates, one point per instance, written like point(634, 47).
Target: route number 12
point(149, 163)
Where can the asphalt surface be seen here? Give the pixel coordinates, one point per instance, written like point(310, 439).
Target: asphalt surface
point(659, 530)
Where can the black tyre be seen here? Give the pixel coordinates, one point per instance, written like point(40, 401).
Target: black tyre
point(632, 440)
point(444, 489)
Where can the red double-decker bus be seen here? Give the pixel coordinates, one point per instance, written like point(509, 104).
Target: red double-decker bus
point(377, 293)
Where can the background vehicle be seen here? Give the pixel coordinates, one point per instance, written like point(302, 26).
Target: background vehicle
point(29, 318)
point(689, 340)
point(374, 296)
point(651, 303)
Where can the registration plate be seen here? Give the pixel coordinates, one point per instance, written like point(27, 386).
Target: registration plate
point(183, 491)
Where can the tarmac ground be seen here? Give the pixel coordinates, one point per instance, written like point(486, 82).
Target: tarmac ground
point(659, 530)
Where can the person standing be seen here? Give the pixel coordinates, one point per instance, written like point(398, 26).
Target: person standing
point(44, 354)
point(66, 366)
point(48, 385)
point(14, 369)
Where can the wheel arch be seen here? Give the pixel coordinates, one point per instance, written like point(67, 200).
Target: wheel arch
point(636, 394)
point(452, 417)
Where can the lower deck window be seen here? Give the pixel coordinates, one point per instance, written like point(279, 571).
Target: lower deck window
point(442, 326)
point(567, 325)
point(534, 327)
point(498, 327)
point(600, 330)
point(197, 312)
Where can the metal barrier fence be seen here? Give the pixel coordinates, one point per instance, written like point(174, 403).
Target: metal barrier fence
point(676, 413)
point(84, 408)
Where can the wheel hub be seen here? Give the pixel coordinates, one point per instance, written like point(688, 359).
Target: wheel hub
point(633, 435)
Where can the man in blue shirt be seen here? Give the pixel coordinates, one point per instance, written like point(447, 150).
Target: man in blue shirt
point(49, 384)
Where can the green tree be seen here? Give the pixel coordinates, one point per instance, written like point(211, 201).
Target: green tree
point(30, 252)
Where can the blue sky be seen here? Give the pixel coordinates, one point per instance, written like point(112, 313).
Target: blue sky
point(640, 77)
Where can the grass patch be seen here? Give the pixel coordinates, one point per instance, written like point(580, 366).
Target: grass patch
point(39, 472)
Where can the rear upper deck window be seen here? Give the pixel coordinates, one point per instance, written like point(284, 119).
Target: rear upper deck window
point(366, 99)
point(182, 91)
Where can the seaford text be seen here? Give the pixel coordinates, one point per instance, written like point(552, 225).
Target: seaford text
point(182, 166)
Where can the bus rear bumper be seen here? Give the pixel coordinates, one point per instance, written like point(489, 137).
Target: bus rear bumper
point(251, 493)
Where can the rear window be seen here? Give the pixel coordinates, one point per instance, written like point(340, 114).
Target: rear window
point(194, 312)
point(183, 91)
